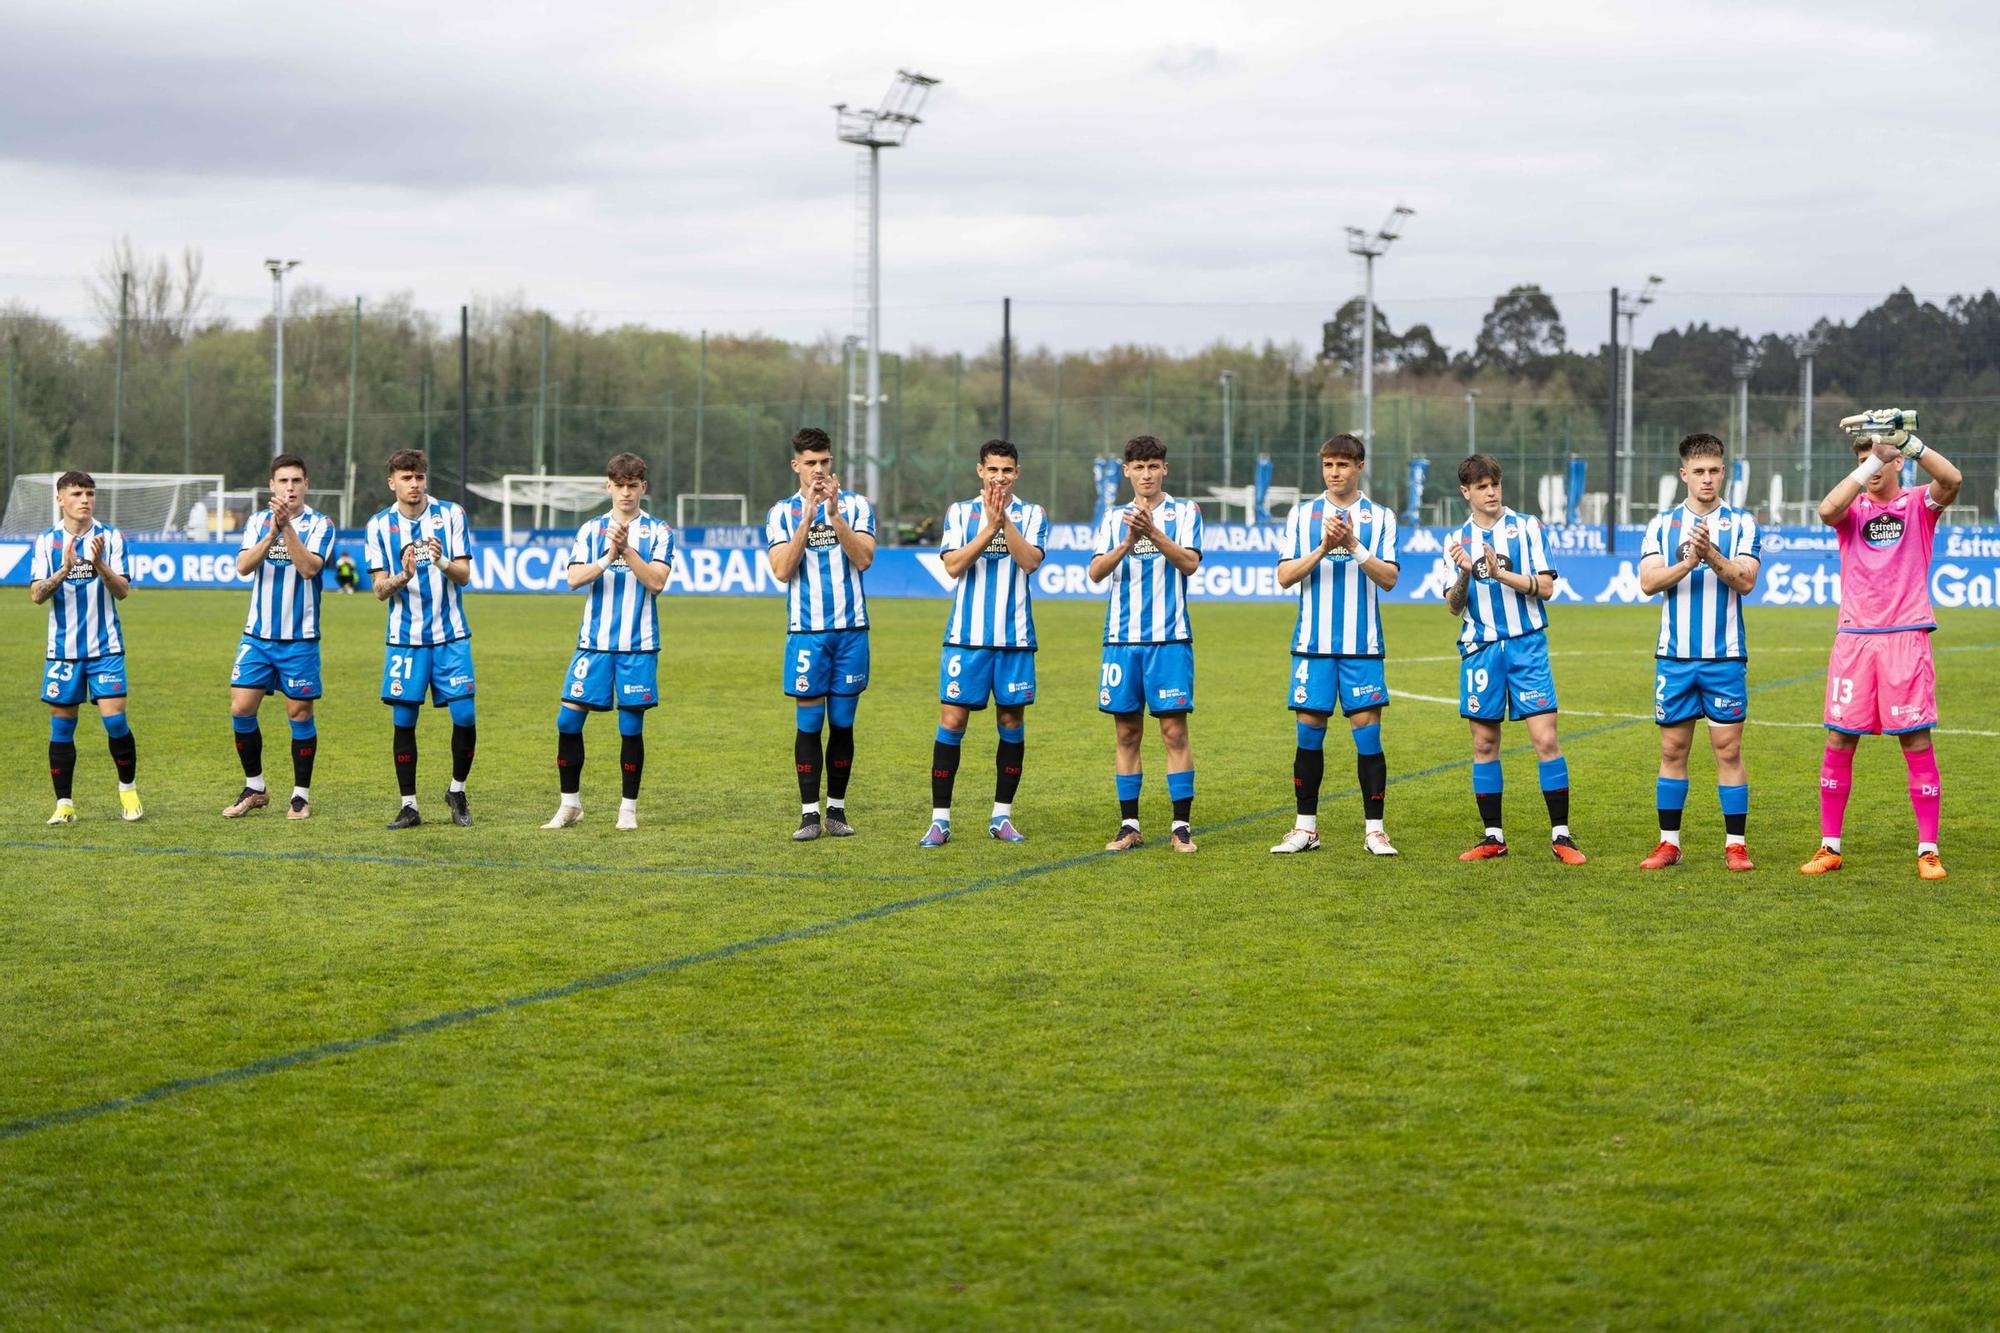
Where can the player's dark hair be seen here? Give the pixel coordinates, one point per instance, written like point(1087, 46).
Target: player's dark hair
point(74, 478)
point(1345, 446)
point(1478, 468)
point(1000, 447)
point(812, 440)
point(283, 461)
point(625, 467)
point(1143, 448)
point(1701, 445)
point(409, 460)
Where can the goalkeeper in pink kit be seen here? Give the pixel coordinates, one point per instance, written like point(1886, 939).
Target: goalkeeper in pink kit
point(1880, 680)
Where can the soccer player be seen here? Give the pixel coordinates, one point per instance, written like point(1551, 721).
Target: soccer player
point(285, 546)
point(79, 570)
point(1340, 552)
point(1146, 551)
point(992, 545)
point(623, 557)
point(1704, 555)
point(822, 539)
point(419, 556)
point(1880, 679)
point(345, 576)
point(1504, 581)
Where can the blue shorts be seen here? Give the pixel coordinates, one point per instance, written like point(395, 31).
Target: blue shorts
point(446, 670)
point(600, 681)
point(287, 667)
point(1338, 684)
point(1506, 680)
point(831, 661)
point(65, 681)
point(969, 676)
point(1158, 677)
point(1684, 690)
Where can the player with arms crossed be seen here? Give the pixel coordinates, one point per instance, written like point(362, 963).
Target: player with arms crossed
point(1340, 553)
point(1146, 551)
point(1880, 679)
point(821, 540)
point(419, 556)
point(284, 548)
point(1504, 581)
point(992, 545)
point(1704, 555)
point(623, 557)
point(79, 570)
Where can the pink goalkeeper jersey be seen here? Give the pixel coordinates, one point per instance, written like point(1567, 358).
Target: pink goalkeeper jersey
point(1885, 563)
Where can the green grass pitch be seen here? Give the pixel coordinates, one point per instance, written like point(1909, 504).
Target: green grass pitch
point(274, 1074)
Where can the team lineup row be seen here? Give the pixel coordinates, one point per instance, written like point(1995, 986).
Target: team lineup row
point(1339, 551)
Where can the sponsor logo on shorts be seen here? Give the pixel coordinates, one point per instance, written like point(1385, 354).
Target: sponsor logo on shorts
point(636, 691)
point(456, 681)
point(1361, 691)
point(1903, 710)
point(1170, 694)
point(1722, 705)
point(297, 683)
point(1018, 685)
point(854, 680)
point(1531, 698)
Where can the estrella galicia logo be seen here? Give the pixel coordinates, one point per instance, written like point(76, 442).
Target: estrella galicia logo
point(821, 536)
point(1883, 530)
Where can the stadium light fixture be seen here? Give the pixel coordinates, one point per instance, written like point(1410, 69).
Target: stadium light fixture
point(278, 269)
point(1371, 248)
point(886, 125)
point(1228, 381)
point(1629, 308)
point(1742, 366)
point(1807, 346)
point(1471, 421)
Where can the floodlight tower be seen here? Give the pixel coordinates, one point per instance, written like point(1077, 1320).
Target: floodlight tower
point(886, 126)
point(278, 269)
point(1807, 345)
point(1743, 366)
point(1369, 247)
point(1629, 309)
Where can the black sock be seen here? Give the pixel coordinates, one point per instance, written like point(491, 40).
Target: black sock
point(250, 750)
point(839, 763)
point(62, 767)
point(944, 774)
point(1558, 802)
point(1670, 820)
point(1731, 824)
point(403, 745)
point(1372, 771)
point(1183, 808)
point(569, 761)
point(807, 755)
point(125, 756)
point(1128, 809)
point(1308, 768)
point(464, 740)
point(303, 749)
point(1489, 808)
point(632, 763)
point(1007, 770)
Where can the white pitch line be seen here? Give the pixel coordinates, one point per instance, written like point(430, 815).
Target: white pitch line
point(1648, 717)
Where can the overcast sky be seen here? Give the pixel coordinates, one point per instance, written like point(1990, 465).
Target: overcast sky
point(1157, 172)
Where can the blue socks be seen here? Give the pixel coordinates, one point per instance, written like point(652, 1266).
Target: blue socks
point(812, 718)
point(1368, 739)
point(1313, 738)
point(303, 731)
point(951, 738)
point(841, 709)
point(570, 721)
point(631, 722)
point(1555, 774)
point(1487, 779)
point(1735, 800)
point(116, 725)
point(462, 713)
point(403, 715)
point(62, 730)
point(243, 724)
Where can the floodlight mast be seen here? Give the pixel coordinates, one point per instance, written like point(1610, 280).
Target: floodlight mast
point(885, 126)
point(1807, 346)
point(1369, 247)
point(1629, 308)
point(1743, 366)
point(278, 269)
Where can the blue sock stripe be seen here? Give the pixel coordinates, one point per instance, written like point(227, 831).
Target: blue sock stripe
point(1180, 786)
point(841, 709)
point(812, 717)
point(303, 731)
point(463, 714)
point(1670, 793)
point(570, 720)
point(61, 728)
point(1487, 779)
point(1014, 735)
point(1554, 773)
point(403, 715)
point(1311, 738)
point(1130, 785)
point(1735, 800)
point(243, 723)
point(946, 736)
point(631, 722)
point(1368, 739)
point(116, 725)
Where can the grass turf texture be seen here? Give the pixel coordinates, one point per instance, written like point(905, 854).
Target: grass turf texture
point(1045, 1086)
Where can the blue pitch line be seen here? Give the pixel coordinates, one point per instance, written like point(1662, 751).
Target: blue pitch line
point(357, 858)
point(309, 1055)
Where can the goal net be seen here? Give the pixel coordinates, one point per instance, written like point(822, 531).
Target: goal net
point(141, 504)
point(550, 501)
point(694, 511)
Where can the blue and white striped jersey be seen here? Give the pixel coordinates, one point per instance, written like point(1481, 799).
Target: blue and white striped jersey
point(1701, 616)
point(619, 615)
point(826, 590)
point(1492, 610)
point(1148, 595)
point(284, 606)
point(1340, 614)
point(994, 606)
point(83, 615)
point(428, 611)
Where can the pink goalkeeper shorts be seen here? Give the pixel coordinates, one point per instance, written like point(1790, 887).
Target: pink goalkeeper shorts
point(1881, 683)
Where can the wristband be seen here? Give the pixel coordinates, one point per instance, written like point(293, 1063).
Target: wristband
point(1869, 467)
point(1914, 448)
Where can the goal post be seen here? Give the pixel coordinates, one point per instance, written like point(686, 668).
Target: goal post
point(545, 496)
point(148, 504)
point(699, 503)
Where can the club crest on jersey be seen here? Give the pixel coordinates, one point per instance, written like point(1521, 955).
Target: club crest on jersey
point(1725, 523)
point(1506, 530)
point(1883, 530)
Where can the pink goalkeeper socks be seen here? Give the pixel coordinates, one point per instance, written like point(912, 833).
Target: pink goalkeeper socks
point(1836, 780)
point(1926, 791)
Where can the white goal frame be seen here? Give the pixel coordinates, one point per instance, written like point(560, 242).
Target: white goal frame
point(742, 507)
point(543, 493)
point(211, 486)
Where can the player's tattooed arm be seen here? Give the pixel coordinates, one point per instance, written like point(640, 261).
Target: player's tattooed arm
point(1456, 596)
point(42, 590)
